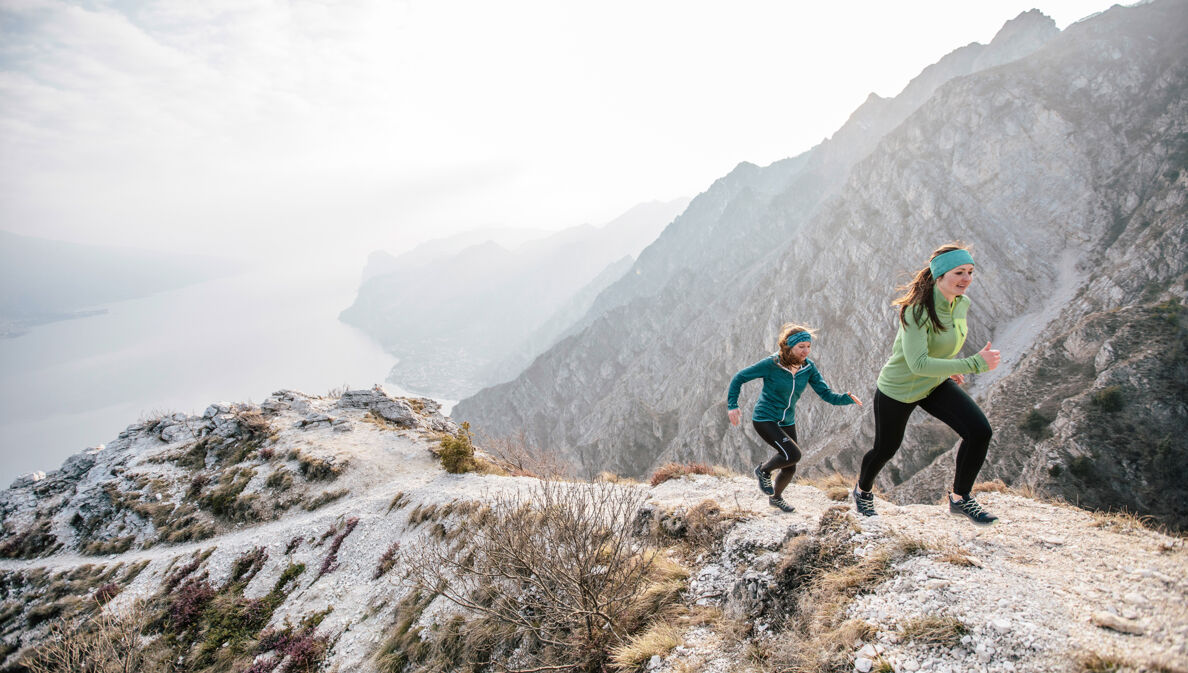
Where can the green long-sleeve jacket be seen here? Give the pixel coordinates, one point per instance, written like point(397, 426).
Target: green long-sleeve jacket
point(922, 357)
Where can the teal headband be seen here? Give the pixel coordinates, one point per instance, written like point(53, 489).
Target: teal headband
point(797, 337)
point(946, 262)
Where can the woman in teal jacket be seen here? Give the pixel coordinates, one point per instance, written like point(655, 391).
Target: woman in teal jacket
point(922, 372)
point(785, 375)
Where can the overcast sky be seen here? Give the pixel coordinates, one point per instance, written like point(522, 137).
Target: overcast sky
point(261, 128)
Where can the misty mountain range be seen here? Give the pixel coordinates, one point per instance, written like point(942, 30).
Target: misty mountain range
point(1062, 157)
point(464, 317)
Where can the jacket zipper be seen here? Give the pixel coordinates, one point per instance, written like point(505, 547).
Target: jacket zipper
point(789, 404)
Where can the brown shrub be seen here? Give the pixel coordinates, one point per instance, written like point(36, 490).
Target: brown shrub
point(675, 470)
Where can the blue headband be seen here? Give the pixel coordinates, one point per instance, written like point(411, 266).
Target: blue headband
point(797, 337)
point(946, 262)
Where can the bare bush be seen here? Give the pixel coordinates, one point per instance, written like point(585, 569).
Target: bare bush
point(521, 458)
point(106, 642)
point(556, 566)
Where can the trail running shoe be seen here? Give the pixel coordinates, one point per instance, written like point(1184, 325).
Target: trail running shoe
point(765, 484)
point(779, 503)
point(970, 509)
point(864, 502)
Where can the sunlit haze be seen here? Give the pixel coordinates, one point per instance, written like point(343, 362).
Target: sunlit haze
point(288, 129)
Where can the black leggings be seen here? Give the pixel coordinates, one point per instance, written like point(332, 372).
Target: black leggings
point(954, 408)
point(783, 439)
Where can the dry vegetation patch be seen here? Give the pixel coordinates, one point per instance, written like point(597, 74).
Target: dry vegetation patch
point(934, 630)
point(677, 470)
point(836, 486)
point(564, 603)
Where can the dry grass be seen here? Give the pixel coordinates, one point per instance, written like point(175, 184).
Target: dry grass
point(677, 470)
point(698, 529)
point(836, 486)
point(105, 642)
point(1096, 663)
point(660, 639)
point(995, 486)
point(942, 631)
point(380, 422)
point(398, 502)
point(958, 558)
point(324, 498)
point(612, 478)
point(947, 551)
point(1126, 522)
point(828, 650)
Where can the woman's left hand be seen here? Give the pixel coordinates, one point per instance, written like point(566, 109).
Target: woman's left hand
point(856, 400)
point(959, 378)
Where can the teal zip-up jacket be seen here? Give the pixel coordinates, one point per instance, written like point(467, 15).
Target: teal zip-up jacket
point(922, 358)
point(781, 389)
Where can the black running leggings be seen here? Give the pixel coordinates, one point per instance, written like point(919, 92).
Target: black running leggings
point(949, 403)
point(783, 439)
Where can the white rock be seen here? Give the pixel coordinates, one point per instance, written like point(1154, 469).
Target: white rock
point(910, 665)
point(868, 651)
point(1136, 598)
point(863, 665)
point(1001, 625)
point(1116, 623)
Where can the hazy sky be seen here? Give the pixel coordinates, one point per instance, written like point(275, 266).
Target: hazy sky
point(258, 127)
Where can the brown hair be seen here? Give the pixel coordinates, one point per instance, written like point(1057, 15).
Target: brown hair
point(917, 294)
point(786, 358)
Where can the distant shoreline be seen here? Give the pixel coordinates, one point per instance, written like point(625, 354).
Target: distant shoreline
point(11, 328)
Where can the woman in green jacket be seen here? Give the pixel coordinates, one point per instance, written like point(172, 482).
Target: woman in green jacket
point(785, 375)
point(923, 372)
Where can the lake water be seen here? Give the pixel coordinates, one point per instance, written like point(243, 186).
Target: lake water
point(69, 385)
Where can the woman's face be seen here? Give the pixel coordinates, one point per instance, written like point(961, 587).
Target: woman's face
point(801, 350)
point(955, 282)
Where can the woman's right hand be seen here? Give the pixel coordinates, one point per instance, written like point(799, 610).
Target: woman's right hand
point(990, 356)
point(735, 416)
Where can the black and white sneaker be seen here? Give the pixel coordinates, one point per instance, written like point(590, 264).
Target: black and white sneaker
point(970, 509)
point(765, 484)
point(864, 501)
point(779, 503)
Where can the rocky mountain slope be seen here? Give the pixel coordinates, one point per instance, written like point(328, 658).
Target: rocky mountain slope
point(1063, 165)
point(463, 319)
point(287, 537)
